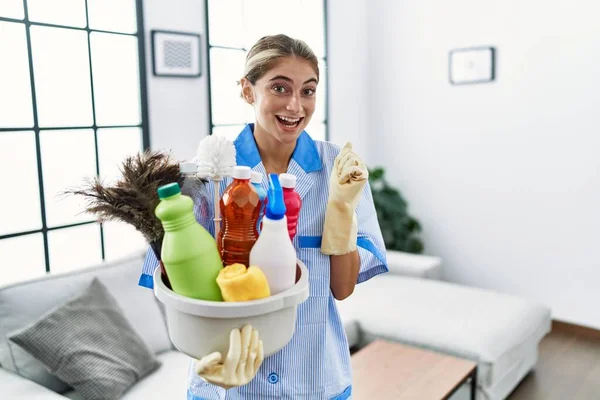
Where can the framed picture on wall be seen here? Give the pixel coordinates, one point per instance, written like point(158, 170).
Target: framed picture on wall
point(472, 65)
point(176, 54)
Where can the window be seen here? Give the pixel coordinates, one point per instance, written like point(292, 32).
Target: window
point(72, 105)
point(233, 26)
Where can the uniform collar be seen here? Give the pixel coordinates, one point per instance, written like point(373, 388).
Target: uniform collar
point(305, 154)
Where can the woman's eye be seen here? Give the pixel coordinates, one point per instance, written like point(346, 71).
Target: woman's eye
point(309, 92)
point(279, 89)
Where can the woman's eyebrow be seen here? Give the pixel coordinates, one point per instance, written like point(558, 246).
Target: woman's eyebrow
point(285, 78)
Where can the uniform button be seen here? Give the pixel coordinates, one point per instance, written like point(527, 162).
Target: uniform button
point(273, 378)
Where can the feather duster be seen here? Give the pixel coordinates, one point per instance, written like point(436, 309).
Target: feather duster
point(133, 198)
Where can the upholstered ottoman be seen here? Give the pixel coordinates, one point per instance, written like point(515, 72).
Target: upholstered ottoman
point(500, 332)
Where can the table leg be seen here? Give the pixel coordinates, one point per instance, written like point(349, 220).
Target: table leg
point(474, 384)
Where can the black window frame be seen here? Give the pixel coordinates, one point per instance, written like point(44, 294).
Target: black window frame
point(140, 35)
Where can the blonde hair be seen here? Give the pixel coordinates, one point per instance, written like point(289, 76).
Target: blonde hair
point(269, 49)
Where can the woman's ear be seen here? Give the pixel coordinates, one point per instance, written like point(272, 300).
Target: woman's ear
point(247, 92)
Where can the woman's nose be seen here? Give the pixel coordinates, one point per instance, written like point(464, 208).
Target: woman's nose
point(294, 104)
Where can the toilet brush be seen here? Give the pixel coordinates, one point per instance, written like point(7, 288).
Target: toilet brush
point(215, 158)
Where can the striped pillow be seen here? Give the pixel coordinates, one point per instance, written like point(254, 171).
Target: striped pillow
point(89, 344)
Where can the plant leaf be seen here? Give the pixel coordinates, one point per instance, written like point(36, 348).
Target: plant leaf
point(398, 228)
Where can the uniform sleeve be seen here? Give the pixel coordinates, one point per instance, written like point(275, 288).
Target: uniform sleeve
point(203, 210)
point(148, 268)
point(370, 245)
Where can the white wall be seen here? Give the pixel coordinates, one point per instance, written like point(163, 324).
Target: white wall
point(348, 56)
point(503, 176)
point(177, 107)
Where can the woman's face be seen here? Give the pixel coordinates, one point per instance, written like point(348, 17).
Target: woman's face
point(284, 98)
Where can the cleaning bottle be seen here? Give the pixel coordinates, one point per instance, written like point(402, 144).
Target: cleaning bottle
point(292, 200)
point(190, 184)
point(273, 251)
point(256, 180)
point(189, 253)
point(240, 207)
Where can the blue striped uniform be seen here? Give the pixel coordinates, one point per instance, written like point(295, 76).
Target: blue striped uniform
point(316, 363)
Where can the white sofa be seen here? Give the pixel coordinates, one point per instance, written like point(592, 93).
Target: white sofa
point(499, 332)
point(21, 377)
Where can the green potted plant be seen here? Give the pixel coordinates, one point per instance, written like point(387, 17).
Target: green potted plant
point(399, 229)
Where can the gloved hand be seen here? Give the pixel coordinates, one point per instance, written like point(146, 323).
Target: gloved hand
point(243, 360)
point(346, 183)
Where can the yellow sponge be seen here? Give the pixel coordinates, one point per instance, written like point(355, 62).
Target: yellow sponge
point(240, 284)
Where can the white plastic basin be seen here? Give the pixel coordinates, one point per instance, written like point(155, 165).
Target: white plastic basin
point(198, 327)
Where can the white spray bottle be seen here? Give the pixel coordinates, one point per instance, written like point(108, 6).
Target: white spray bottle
point(273, 251)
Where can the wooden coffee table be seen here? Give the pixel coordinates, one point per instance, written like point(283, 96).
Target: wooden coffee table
point(386, 370)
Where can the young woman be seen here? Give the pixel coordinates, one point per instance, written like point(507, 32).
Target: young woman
point(338, 237)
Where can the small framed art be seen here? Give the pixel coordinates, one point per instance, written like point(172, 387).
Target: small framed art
point(472, 65)
point(176, 54)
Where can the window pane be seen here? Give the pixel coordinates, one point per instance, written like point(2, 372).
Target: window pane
point(74, 248)
point(227, 105)
point(15, 88)
point(310, 24)
point(269, 17)
point(231, 132)
point(115, 66)
point(59, 12)
point(316, 130)
point(121, 240)
point(319, 115)
point(22, 258)
point(62, 172)
point(18, 171)
point(11, 9)
point(112, 15)
point(228, 34)
point(114, 145)
point(62, 76)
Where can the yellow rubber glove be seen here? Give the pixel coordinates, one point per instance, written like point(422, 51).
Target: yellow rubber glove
point(346, 183)
point(243, 360)
point(240, 284)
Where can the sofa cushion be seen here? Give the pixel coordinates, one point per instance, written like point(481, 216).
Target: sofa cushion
point(168, 382)
point(23, 303)
point(496, 330)
point(13, 386)
point(89, 344)
point(416, 265)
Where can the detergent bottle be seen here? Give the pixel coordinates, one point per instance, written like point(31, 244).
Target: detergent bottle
point(256, 181)
point(240, 207)
point(292, 200)
point(273, 252)
point(189, 253)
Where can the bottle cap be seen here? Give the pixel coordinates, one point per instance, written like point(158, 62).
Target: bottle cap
point(241, 172)
point(275, 205)
point(256, 177)
point(188, 167)
point(168, 190)
point(287, 180)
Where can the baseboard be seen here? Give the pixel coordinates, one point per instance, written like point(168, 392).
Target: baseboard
point(567, 327)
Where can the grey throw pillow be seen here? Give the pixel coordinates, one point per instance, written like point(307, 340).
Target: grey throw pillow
point(89, 344)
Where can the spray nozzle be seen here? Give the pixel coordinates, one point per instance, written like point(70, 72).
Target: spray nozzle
point(275, 205)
